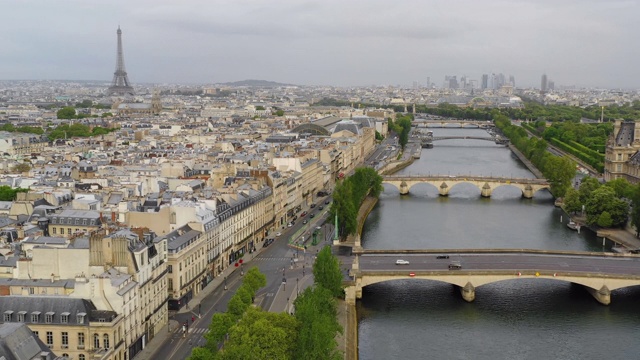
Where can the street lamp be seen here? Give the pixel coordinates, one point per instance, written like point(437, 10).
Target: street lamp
point(297, 288)
point(225, 283)
point(241, 269)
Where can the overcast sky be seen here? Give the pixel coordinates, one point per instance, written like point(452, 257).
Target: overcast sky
point(593, 43)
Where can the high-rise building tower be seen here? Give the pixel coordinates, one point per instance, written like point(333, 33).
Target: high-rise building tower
point(120, 84)
point(485, 81)
point(543, 84)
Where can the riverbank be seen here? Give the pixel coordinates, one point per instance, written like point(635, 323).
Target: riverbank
point(624, 237)
point(526, 162)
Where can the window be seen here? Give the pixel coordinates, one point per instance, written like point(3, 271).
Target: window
point(65, 340)
point(50, 338)
point(66, 356)
point(96, 341)
point(68, 231)
point(80, 340)
point(170, 269)
point(21, 316)
point(64, 318)
point(48, 317)
point(80, 318)
point(170, 284)
point(106, 341)
point(31, 291)
point(7, 315)
point(34, 316)
point(61, 231)
point(81, 357)
point(54, 231)
point(35, 333)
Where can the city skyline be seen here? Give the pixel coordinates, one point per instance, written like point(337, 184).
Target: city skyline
point(583, 44)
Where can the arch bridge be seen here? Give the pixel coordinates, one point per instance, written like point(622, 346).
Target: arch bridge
point(453, 123)
point(495, 139)
point(599, 273)
point(486, 184)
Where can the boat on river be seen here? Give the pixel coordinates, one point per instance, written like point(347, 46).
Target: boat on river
point(572, 225)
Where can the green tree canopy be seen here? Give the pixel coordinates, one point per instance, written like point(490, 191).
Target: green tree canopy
point(327, 273)
point(67, 112)
point(9, 194)
point(316, 313)
point(572, 202)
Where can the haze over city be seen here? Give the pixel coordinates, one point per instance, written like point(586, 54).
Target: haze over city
point(582, 43)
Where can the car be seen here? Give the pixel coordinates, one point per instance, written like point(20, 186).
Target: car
point(304, 213)
point(304, 221)
point(455, 265)
point(290, 224)
point(312, 215)
point(267, 242)
point(442, 257)
point(278, 233)
point(321, 207)
point(402, 262)
point(326, 202)
point(318, 227)
point(312, 206)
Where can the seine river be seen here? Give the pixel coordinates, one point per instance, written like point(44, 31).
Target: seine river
point(518, 319)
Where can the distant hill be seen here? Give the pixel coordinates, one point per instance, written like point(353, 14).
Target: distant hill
point(256, 83)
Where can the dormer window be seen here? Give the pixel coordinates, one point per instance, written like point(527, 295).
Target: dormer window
point(48, 317)
point(80, 318)
point(8, 315)
point(64, 317)
point(35, 316)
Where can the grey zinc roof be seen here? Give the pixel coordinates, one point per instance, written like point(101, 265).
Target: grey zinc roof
point(18, 342)
point(181, 236)
point(57, 304)
point(64, 283)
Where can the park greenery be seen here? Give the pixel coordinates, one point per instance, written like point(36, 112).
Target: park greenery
point(77, 130)
point(349, 194)
point(402, 127)
point(559, 171)
point(69, 112)
point(605, 205)
point(9, 194)
point(22, 129)
point(247, 332)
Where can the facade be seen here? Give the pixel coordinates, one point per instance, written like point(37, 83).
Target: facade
point(21, 144)
point(69, 327)
point(621, 155)
point(18, 342)
point(72, 222)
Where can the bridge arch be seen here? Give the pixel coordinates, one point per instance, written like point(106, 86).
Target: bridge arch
point(467, 282)
point(528, 187)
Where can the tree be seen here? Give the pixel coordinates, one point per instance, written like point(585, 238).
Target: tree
point(327, 273)
point(316, 313)
point(21, 168)
point(107, 114)
point(218, 329)
point(587, 186)
point(604, 220)
point(254, 279)
point(560, 172)
point(202, 353)
point(604, 200)
point(621, 187)
point(67, 112)
point(9, 194)
point(262, 336)
point(279, 112)
point(343, 207)
point(572, 202)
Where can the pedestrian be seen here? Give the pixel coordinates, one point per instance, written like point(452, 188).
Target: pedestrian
point(193, 319)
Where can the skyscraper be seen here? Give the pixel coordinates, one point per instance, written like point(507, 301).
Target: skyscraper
point(544, 84)
point(485, 81)
point(120, 84)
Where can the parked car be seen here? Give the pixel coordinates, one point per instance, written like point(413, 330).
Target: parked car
point(304, 213)
point(267, 242)
point(278, 233)
point(312, 206)
point(321, 207)
point(455, 265)
point(304, 221)
point(442, 257)
point(312, 215)
point(318, 227)
point(402, 262)
point(326, 202)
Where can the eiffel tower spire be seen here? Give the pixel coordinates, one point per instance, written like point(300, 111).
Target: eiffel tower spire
point(120, 84)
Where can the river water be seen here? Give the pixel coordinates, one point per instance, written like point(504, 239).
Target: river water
point(517, 319)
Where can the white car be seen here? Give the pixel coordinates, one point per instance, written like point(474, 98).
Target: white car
point(278, 233)
point(402, 262)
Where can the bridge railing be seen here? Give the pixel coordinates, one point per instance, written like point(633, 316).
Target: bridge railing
point(464, 177)
point(494, 251)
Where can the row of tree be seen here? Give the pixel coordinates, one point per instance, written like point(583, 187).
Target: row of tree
point(349, 194)
point(22, 129)
point(402, 127)
point(77, 130)
point(9, 194)
point(246, 332)
point(69, 112)
point(559, 171)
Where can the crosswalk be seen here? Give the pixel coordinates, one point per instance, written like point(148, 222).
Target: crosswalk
point(198, 331)
point(272, 259)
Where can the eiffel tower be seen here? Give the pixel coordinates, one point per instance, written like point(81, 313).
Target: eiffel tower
point(120, 84)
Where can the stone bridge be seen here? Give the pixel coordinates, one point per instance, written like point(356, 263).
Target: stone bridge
point(486, 184)
point(599, 273)
point(421, 123)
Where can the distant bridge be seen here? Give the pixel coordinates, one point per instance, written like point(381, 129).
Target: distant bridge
point(486, 184)
point(495, 139)
point(599, 273)
point(423, 123)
